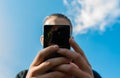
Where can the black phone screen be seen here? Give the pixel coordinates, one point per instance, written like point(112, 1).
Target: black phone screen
point(57, 34)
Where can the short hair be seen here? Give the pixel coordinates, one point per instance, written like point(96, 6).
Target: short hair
point(59, 15)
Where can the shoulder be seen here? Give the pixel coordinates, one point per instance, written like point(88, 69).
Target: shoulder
point(22, 74)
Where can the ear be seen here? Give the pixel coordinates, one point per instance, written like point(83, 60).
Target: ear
point(42, 39)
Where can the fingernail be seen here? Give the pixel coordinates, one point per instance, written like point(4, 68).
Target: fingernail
point(55, 46)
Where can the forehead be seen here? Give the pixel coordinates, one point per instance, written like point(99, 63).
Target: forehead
point(53, 20)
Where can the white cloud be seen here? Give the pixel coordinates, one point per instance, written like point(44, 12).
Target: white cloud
point(92, 14)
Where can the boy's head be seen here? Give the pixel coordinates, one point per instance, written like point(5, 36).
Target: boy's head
point(57, 19)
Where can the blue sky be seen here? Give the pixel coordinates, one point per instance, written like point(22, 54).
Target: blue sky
point(97, 34)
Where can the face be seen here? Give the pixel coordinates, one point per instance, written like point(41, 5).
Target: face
point(53, 20)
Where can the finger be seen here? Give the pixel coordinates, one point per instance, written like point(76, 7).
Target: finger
point(67, 68)
point(43, 53)
point(49, 64)
point(55, 74)
point(77, 58)
point(78, 49)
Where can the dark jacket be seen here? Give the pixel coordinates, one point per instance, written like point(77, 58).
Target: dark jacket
point(22, 74)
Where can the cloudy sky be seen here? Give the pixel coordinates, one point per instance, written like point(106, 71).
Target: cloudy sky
point(96, 29)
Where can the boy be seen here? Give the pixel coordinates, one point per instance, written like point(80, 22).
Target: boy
point(62, 67)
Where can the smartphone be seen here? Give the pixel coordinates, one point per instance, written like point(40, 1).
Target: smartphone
point(56, 34)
